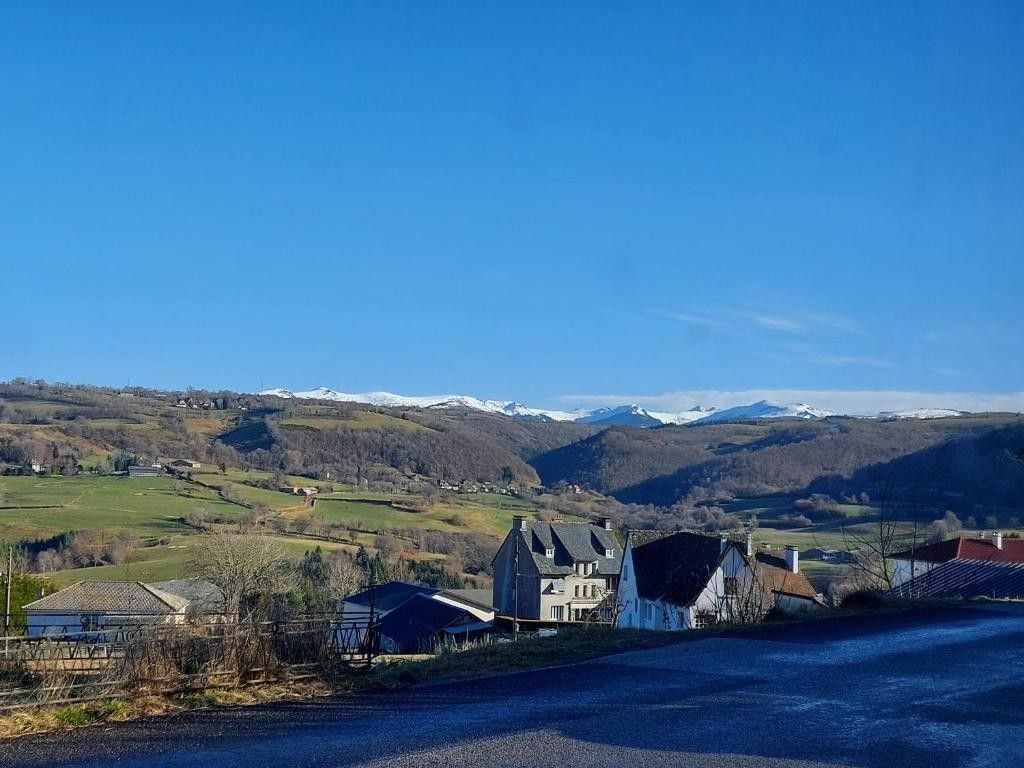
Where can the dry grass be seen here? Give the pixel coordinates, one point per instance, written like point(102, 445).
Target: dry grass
point(45, 719)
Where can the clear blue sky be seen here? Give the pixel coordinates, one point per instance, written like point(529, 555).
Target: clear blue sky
point(513, 199)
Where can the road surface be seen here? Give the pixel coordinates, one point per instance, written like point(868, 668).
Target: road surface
point(937, 691)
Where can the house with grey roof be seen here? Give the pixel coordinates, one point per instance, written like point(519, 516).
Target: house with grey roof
point(555, 572)
point(96, 606)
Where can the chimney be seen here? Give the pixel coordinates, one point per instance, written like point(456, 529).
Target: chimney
point(997, 539)
point(606, 523)
point(792, 558)
point(519, 523)
point(723, 541)
point(749, 538)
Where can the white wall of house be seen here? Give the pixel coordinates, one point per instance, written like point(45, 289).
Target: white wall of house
point(715, 600)
point(38, 624)
point(905, 570)
point(628, 600)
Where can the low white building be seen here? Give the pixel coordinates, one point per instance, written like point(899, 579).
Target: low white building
point(100, 606)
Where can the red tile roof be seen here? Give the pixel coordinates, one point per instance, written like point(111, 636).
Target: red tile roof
point(963, 548)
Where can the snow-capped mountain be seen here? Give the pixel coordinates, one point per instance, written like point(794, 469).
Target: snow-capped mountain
point(391, 400)
point(623, 415)
point(766, 410)
point(921, 413)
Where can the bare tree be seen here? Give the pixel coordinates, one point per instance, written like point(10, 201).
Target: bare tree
point(344, 576)
point(248, 569)
point(872, 547)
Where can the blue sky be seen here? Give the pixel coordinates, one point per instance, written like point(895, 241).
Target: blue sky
point(558, 205)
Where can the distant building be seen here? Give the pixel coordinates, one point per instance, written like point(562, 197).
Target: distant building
point(185, 464)
point(557, 572)
point(153, 470)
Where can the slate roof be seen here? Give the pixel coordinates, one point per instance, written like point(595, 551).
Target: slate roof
point(967, 579)
point(202, 596)
point(572, 543)
point(125, 598)
point(778, 578)
point(387, 597)
point(675, 566)
point(963, 548)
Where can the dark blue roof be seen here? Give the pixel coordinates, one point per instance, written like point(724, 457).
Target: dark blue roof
point(412, 626)
point(387, 597)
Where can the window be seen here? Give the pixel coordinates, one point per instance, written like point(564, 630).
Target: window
point(625, 571)
point(609, 553)
point(558, 613)
point(549, 552)
point(702, 619)
point(732, 586)
point(577, 590)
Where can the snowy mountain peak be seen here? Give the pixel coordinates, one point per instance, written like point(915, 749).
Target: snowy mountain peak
point(764, 409)
point(632, 414)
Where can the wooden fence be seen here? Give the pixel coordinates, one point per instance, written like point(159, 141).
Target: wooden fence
point(56, 665)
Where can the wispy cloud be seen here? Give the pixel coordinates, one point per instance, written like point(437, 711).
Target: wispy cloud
point(775, 323)
point(871, 362)
point(741, 321)
point(690, 318)
point(833, 321)
point(853, 402)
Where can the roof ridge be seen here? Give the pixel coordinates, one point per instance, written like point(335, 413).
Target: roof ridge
point(173, 601)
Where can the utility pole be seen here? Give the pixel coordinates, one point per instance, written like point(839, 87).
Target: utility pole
point(515, 592)
point(7, 609)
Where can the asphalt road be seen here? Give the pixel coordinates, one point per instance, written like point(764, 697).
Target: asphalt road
point(937, 691)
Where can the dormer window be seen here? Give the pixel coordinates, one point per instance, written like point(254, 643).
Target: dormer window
point(609, 553)
point(549, 552)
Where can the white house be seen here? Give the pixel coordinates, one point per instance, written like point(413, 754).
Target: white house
point(678, 581)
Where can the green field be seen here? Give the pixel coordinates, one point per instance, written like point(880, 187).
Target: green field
point(37, 507)
point(154, 508)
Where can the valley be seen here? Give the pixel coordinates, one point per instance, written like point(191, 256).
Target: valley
point(442, 484)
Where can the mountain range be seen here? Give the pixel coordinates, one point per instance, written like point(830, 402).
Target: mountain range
point(624, 415)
